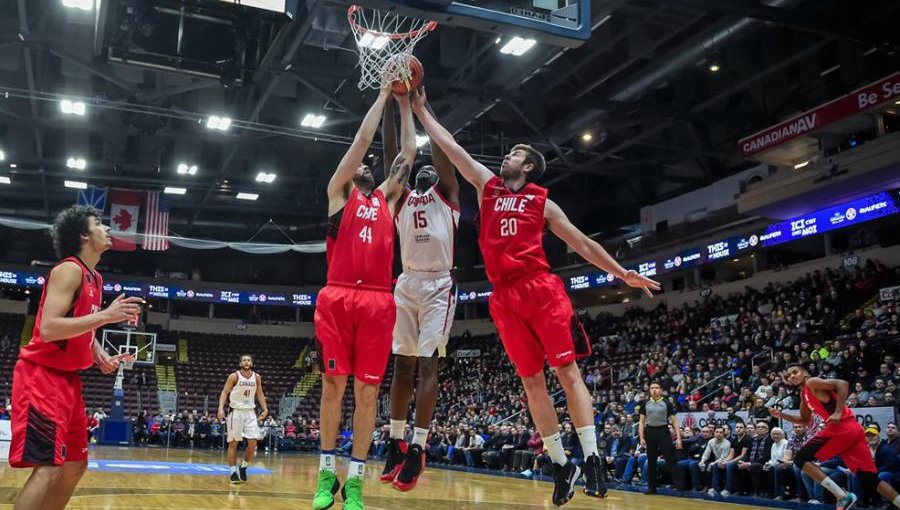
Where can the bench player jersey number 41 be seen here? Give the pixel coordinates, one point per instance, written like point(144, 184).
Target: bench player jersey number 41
point(243, 394)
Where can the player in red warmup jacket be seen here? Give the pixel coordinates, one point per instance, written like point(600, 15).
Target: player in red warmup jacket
point(355, 312)
point(529, 305)
point(49, 422)
point(842, 436)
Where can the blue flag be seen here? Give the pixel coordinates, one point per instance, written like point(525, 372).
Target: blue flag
point(93, 196)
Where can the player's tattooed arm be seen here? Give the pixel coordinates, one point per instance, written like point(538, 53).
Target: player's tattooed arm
point(393, 186)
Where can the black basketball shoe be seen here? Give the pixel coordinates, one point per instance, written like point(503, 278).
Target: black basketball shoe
point(396, 452)
point(594, 477)
point(564, 478)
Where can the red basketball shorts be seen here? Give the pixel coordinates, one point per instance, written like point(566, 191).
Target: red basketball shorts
point(49, 424)
point(847, 440)
point(534, 319)
point(354, 329)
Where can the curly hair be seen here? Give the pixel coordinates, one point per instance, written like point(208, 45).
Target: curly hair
point(70, 225)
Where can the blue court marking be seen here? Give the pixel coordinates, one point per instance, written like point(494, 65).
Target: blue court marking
point(167, 468)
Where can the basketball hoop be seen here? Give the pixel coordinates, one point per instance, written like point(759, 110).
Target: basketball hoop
point(385, 41)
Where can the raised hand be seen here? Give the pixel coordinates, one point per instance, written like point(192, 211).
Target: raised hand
point(122, 309)
point(634, 279)
point(418, 99)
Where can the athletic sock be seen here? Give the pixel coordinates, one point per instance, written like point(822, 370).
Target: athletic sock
point(553, 443)
point(833, 488)
point(897, 501)
point(397, 428)
point(233, 469)
point(244, 463)
point(326, 461)
point(420, 436)
point(587, 436)
point(357, 468)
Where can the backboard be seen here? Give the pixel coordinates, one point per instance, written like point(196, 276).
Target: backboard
point(142, 345)
point(557, 22)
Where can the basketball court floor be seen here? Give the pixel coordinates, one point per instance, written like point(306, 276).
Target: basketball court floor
point(150, 479)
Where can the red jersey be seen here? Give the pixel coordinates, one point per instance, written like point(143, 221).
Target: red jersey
point(824, 410)
point(75, 353)
point(360, 243)
point(511, 231)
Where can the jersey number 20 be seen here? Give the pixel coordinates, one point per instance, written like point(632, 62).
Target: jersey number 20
point(509, 227)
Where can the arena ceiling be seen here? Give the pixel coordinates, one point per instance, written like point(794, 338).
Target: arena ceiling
point(660, 121)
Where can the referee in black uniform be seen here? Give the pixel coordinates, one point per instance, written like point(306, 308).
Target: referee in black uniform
point(656, 414)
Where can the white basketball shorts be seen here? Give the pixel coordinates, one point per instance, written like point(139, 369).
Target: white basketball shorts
point(426, 302)
point(242, 424)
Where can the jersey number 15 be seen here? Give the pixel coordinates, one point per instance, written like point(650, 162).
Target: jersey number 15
point(420, 220)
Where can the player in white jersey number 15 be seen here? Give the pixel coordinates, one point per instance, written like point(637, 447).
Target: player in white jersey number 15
point(427, 218)
point(243, 389)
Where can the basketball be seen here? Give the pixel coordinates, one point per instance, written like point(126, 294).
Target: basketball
point(411, 81)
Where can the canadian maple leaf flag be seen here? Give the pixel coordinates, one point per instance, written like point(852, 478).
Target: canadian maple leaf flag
point(123, 218)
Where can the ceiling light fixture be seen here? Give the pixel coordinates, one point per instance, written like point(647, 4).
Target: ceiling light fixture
point(75, 184)
point(265, 177)
point(314, 121)
point(247, 196)
point(174, 191)
point(220, 123)
point(76, 163)
point(517, 46)
point(5, 180)
point(84, 5)
point(185, 169)
point(72, 107)
point(421, 140)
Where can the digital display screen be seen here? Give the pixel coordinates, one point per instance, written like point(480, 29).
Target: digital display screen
point(864, 209)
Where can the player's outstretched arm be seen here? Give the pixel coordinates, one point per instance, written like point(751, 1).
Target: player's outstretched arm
point(471, 170)
point(223, 397)
point(389, 150)
point(592, 251)
point(447, 184)
point(62, 285)
point(261, 398)
point(339, 185)
point(395, 182)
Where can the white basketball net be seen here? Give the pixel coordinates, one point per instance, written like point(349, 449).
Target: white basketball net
point(385, 41)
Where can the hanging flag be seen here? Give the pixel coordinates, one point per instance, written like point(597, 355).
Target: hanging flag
point(93, 196)
point(156, 222)
point(123, 218)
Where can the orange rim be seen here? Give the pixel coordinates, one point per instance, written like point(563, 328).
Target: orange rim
point(351, 17)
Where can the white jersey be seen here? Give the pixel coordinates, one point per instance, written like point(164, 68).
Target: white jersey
point(427, 226)
point(243, 394)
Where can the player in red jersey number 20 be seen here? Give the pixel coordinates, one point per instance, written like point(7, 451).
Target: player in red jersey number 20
point(529, 305)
